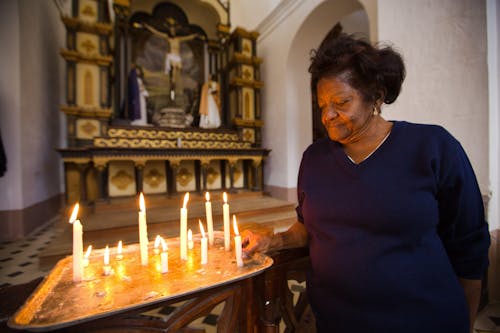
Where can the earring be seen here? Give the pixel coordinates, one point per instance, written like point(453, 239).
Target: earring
point(376, 112)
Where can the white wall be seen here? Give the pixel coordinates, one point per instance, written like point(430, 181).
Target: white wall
point(444, 44)
point(493, 18)
point(31, 90)
point(10, 105)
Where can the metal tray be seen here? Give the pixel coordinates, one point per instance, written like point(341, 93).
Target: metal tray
point(59, 302)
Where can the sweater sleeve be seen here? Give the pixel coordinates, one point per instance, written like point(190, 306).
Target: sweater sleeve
point(462, 225)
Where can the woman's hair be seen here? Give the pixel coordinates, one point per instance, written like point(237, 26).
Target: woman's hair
point(368, 69)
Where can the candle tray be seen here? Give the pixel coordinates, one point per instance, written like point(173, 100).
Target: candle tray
point(59, 302)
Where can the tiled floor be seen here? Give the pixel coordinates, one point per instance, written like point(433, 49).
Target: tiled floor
point(19, 264)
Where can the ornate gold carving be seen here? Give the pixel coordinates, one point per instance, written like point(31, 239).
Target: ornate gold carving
point(248, 123)
point(249, 135)
point(88, 112)
point(89, 11)
point(159, 134)
point(70, 55)
point(87, 88)
point(122, 179)
point(240, 58)
point(88, 128)
point(114, 142)
point(100, 28)
point(212, 175)
point(154, 178)
point(244, 33)
point(88, 46)
point(184, 177)
point(247, 73)
point(247, 83)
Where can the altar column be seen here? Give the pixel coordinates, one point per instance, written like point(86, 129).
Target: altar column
point(82, 169)
point(139, 175)
point(204, 173)
point(101, 184)
point(232, 166)
point(174, 166)
point(256, 183)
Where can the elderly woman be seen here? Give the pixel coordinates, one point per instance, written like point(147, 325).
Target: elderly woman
point(391, 210)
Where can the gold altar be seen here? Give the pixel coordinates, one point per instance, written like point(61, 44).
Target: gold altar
point(136, 77)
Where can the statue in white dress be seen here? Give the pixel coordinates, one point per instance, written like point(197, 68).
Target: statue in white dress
point(210, 105)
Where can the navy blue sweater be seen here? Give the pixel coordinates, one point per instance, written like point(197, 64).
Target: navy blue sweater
point(389, 236)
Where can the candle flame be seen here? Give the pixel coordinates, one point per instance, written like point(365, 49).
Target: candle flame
point(157, 241)
point(106, 256)
point(87, 253)
point(235, 226)
point(164, 245)
point(202, 229)
point(142, 205)
point(74, 214)
point(207, 196)
point(190, 235)
point(120, 248)
point(186, 198)
point(224, 197)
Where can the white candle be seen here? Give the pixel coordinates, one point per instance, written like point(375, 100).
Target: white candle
point(77, 245)
point(106, 268)
point(225, 213)
point(86, 256)
point(119, 251)
point(183, 230)
point(237, 243)
point(190, 240)
point(143, 231)
point(156, 248)
point(210, 222)
point(164, 256)
point(204, 245)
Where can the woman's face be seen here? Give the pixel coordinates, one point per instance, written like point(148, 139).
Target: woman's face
point(344, 113)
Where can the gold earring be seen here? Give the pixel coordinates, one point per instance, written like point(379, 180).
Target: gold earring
point(375, 110)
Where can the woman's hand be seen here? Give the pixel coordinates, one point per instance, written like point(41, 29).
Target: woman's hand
point(252, 242)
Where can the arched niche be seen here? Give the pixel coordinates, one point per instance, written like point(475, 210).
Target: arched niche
point(354, 19)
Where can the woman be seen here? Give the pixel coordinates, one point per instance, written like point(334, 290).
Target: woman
point(391, 211)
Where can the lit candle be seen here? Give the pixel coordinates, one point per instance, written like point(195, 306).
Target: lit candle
point(106, 268)
point(225, 211)
point(204, 245)
point(164, 256)
point(210, 222)
point(190, 239)
point(156, 248)
point(119, 251)
point(237, 243)
point(143, 231)
point(183, 230)
point(86, 256)
point(77, 245)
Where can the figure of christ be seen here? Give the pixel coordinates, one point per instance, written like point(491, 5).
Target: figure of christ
point(173, 60)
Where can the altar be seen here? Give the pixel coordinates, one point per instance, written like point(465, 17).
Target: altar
point(162, 97)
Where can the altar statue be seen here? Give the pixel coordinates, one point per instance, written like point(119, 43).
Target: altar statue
point(173, 60)
point(210, 105)
point(137, 98)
